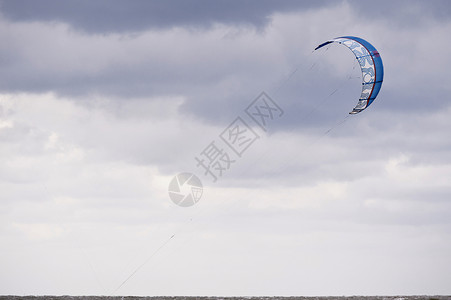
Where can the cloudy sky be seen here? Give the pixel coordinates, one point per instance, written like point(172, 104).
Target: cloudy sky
point(102, 103)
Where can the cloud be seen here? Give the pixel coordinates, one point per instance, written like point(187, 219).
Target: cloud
point(223, 66)
point(113, 17)
point(117, 16)
point(404, 13)
point(97, 116)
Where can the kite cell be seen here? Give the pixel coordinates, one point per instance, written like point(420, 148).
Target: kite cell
point(370, 64)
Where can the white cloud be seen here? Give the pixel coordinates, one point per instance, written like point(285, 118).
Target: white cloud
point(39, 231)
point(84, 180)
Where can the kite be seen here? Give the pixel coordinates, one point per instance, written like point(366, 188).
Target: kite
point(371, 65)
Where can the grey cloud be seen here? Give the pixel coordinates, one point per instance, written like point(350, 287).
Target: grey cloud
point(216, 74)
point(125, 16)
point(217, 90)
point(404, 13)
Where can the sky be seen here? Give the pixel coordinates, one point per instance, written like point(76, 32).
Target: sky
point(103, 103)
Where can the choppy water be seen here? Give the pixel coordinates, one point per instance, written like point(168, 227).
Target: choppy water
point(223, 298)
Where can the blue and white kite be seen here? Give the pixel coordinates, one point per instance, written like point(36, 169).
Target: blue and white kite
point(370, 64)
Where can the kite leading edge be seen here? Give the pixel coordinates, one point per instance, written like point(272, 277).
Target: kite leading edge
point(370, 64)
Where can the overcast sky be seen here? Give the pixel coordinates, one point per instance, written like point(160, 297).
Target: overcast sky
point(102, 103)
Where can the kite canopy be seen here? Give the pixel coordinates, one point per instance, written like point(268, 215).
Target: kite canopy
point(370, 64)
